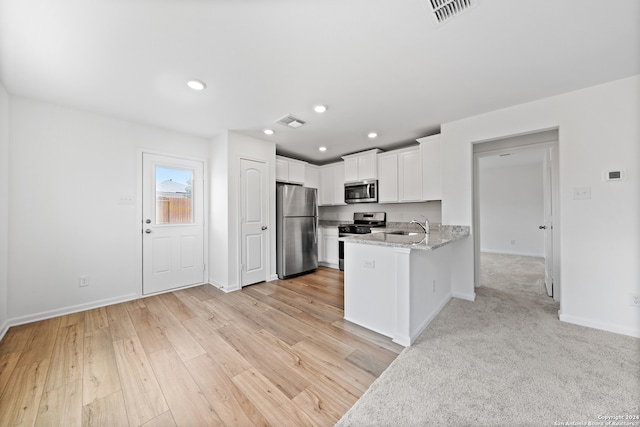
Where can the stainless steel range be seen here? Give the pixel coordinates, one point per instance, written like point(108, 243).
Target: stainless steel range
point(362, 224)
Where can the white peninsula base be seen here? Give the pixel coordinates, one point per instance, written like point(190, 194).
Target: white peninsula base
point(396, 291)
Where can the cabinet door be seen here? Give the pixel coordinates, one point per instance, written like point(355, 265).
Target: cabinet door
point(322, 257)
point(338, 184)
point(351, 169)
point(410, 173)
point(388, 178)
point(296, 172)
point(312, 176)
point(431, 168)
point(331, 248)
point(367, 167)
point(326, 185)
point(282, 170)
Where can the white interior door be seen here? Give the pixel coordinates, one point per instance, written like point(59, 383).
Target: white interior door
point(253, 221)
point(173, 223)
point(547, 227)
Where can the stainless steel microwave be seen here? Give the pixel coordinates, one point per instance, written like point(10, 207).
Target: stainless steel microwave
point(361, 192)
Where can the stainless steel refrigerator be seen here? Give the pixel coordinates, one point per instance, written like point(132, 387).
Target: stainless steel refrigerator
point(296, 230)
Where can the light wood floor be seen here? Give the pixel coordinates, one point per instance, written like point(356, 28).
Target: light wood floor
point(274, 354)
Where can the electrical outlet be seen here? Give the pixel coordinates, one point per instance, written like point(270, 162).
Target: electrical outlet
point(634, 300)
point(513, 242)
point(83, 281)
point(370, 264)
point(434, 286)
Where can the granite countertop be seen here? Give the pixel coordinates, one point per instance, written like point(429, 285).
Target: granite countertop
point(438, 236)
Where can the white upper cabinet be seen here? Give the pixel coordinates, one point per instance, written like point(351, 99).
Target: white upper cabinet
point(312, 176)
point(400, 176)
point(431, 167)
point(331, 184)
point(361, 166)
point(410, 175)
point(290, 170)
point(388, 177)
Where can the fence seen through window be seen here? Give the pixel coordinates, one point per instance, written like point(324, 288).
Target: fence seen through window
point(174, 195)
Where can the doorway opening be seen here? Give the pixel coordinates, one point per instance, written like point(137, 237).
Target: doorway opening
point(516, 226)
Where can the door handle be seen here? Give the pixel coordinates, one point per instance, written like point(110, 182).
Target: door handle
point(148, 221)
point(542, 227)
point(148, 231)
point(264, 227)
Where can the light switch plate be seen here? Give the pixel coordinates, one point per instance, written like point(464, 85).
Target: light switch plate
point(581, 193)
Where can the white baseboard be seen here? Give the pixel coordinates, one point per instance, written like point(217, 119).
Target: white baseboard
point(415, 334)
point(465, 296)
point(273, 277)
point(632, 332)
point(497, 252)
point(3, 329)
point(69, 310)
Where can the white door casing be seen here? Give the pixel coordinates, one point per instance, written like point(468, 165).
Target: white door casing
point(253, 221)
point(172, 223)
point(547, 227)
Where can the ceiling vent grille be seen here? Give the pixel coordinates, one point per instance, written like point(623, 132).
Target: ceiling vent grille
point(290, 121)
point(444, 10)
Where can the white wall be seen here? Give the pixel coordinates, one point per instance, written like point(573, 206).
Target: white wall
point(511, 208)
point(600, 237)
point(4, 206)
point(68, 171)
point(396, 212)
point(225, 205)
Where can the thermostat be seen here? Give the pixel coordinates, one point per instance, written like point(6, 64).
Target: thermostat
point(613, 175)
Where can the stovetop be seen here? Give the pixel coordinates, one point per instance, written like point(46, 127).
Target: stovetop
point(363, 222)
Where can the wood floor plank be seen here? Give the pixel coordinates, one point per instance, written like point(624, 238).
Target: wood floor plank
point(108, 411)
point(184, 344)
point(264, 360)
point(67, 358)
point(185, 399)
point(95, 319)
point(179, 310)
point(164, 420)
point(274, 405)
point(7, 363)
point(216, 346)
point(322, 410)
point(61, 406)
point(16, 338)
point(150, 331)
point(71, 319)
point(40, 344)
point(231, 405)
point(308, 369)
point(202, 310)
point(142, 395)
point(100, 375)
point(119, 322)
point(20, 401)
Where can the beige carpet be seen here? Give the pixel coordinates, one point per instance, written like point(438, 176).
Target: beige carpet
point(505, 360)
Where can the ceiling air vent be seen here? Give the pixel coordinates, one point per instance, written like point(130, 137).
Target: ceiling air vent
point(290, 121)
point(444, 10)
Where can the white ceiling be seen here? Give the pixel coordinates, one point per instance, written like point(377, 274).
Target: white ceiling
point(378, 65)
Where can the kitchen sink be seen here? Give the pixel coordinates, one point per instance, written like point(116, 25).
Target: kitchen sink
point(404, 233)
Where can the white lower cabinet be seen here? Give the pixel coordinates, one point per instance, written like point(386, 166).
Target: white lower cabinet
point(328, 253)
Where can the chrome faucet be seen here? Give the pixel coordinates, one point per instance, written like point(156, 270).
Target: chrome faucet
point(425, 227)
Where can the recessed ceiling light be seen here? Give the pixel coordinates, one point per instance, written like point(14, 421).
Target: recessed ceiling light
point(268, 131)
point(320, 108)
point(372, 135)
point(196, 85)
point(322, 148)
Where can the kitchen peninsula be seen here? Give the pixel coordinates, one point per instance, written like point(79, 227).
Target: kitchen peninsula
point(397, 281)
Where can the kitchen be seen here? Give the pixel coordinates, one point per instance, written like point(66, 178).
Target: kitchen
point(406, 184)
